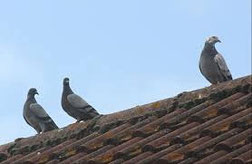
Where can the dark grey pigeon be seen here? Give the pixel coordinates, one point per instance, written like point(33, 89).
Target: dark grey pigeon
point(35, 115)
point(74, 105)
point(212, 65)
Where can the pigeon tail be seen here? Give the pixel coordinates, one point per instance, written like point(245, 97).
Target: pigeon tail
point(48, 126)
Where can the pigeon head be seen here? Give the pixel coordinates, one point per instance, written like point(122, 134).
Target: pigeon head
point(32, 92)
point(212, 40)
point(66, 81)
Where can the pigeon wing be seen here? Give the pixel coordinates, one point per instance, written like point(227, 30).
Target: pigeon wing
point(219, 60)
point(26, 121)
point(47, 123)
point(39, 112)
point(203, 73)
point(76, 101)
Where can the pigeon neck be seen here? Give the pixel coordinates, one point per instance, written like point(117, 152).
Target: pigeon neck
point(210, 48)
point(68, 89)
point(31, 98)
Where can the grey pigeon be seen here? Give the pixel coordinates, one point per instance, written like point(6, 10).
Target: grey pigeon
point(212, 65)
point(74, 105)
point(35, 115)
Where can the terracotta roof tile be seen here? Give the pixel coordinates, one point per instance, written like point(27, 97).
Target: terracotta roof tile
point(234, 106)
point(180, 154)
point(92, 156)
point(129, 133)
point(54, 161)
point(233, 154)
point(30, 156)
point(158, 155)
point(3, 157)
point(243, 158)
point(109, 155)
point(188, 160)
point(140, 157)
point(212, 124)
point(73, 158)
point(117, 161)
point(225, 124)
point(212, 157)
point(74, 146)
point(181, 117)
point(243, 122)
point(12, 159)
point(136, 148)
point(230, 143)
point(155, 125)
point(214, 110)
point(207, 147)
point(194, 133)
point(165, 141)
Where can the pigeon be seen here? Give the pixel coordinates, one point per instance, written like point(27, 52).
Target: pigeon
point(35, 115)
point(212, 64)
point(75, 106)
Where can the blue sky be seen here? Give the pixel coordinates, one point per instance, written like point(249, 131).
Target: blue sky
point(118, 54)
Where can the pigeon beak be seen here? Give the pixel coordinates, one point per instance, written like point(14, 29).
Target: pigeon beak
point(218, 41)
point(36, 93)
